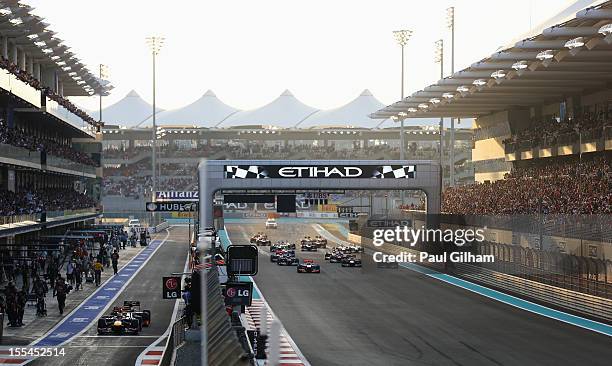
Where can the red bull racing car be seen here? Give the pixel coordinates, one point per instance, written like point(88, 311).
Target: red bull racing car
point(126, 319)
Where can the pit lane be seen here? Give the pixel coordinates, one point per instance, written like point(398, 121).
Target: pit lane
point(348, 316)
point(92, 349)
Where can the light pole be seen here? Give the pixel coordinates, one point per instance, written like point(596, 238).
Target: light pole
point(103, 76)
point(155, 44)
point(402, 37)
point(450, 22)
point(439, 58)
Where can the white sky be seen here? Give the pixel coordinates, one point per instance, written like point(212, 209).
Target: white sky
point(325, 51)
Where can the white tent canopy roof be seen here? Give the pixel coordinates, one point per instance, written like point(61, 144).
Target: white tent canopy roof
point(207, 111)
point(353, 114)
point(130, 111)
point(284, 112)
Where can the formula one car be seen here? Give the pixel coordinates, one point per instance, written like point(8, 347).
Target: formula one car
point(255, 237)
point(336, 257)
point(126, 319)
point(320, 241)
point(287, 260)
point(306, 239)
point(351, 261)
point(263, 241)
point(308, 266)
point(328, 255)
point(280, 253)
point(308, 247)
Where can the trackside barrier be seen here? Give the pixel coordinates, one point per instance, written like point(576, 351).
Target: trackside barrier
point(224, 348)
point(585, 304)
point(178, 331)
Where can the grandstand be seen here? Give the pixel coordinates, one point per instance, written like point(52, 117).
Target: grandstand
point(285, 128)
point(49, 148)
point(543, 121)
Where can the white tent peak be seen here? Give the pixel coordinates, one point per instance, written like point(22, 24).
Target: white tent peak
point(287, 93)
point(132, 93)
point(353, 114)
point(207, 111)
point(210, 93)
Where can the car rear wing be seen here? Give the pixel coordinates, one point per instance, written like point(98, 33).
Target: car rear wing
point(131, 303)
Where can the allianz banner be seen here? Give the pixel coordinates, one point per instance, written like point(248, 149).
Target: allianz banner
point(319, 171)
point(188, 196)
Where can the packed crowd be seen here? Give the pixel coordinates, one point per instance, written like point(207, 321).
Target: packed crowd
point(556, 188)
point(17, 137)
point(260, 151)
point(548, 132)
point(37, 201)
point(29, 79)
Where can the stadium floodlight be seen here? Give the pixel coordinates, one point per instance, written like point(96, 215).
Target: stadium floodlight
point(479, 82)
point(423, 106)
point(47, 50)
point(448, 95)
point(40, 44)
point(463, 89)
point(402, 114)
point(412, 110)
point(73, 73)
point(61, 63)
point(66, 68)
point(32, 36)
point(499, 74)
point(434, 100)
point(546, 57)
point(574, 45)
point(402, 36)
point(394, 118)
point(606, 31)
point(520, 67)
point(55, 57)
point(81, 82)
point(16, 21)
point(6, 11)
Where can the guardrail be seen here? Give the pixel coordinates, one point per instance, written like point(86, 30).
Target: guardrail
point(584, 304)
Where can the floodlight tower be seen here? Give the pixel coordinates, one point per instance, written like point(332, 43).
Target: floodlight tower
point(450, 22)
point(103, 76)
point(402, 37)
point(155, 44)
point(439, 58)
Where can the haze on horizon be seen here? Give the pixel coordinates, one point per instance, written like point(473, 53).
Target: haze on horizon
point(325, 52)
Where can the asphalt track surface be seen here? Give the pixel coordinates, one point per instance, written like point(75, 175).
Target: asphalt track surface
point(89, 349)
point(350, 316)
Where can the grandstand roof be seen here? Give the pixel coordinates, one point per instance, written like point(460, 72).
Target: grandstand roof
point(207, 111)
point(567, 55)
point(353, 114)
point(284, 112)
point(31, 33)
point(131, 111)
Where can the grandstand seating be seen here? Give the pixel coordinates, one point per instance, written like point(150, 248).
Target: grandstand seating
point(567, 186)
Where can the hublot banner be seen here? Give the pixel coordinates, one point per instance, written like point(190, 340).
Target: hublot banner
point(320, 171)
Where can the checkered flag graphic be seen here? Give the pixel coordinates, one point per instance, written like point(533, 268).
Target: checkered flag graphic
point(245, 172)
point(395, 171)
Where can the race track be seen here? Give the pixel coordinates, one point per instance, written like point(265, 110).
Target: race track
point(348, 316)
point(90, 349)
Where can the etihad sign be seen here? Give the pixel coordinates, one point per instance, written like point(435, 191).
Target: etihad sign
point(320, 172)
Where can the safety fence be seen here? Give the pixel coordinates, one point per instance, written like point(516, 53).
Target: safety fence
point(584, 304)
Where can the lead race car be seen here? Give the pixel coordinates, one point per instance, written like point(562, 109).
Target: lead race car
point(308, 266)
point(126, 319)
